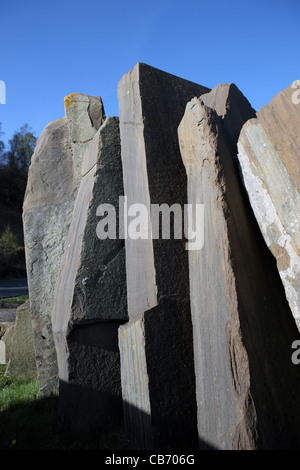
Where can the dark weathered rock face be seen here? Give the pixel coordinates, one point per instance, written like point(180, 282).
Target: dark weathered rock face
point(233, 109)
point(269, 155)
point(156, 394)
point(53, 181)
point(90, 293)
point(21, 362)
point(239, 312)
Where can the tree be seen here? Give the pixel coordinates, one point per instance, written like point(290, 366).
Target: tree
point(21, 149)
point(15, 163)
point(8, 244)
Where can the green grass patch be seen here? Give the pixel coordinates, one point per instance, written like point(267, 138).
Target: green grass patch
point(21, 299)
point(14, 391)
point(29, 422)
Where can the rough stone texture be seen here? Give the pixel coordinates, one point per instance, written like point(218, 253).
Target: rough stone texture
point(8, 314)
point(4, 348)
point(53, 182)
point(2, 352)
point(7, 339)
point(233, 109)
point(21, 362)
point(269, 156)
point(90, 293)
point(156, 345)
point(246, 384)
point(4, 326)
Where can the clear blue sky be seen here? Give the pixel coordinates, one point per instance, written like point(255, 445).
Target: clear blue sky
point(52, 48)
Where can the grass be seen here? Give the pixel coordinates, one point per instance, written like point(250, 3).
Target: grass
point(21, 299)
point(28, 422)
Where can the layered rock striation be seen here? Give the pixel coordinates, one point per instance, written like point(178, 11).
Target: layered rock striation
point(90, 293)
point(269, 156)
point(53, 182)
point(156, 344)
point(239, 312)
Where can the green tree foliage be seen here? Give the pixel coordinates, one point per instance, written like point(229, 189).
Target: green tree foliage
point(14, 163)
point(8, 244)
point(21, 149)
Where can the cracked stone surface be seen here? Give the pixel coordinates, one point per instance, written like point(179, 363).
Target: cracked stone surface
point(53, 182)
point(269, 156)
point(156, 344)
point(21, 362)
point(242, 327)
point(90, 293)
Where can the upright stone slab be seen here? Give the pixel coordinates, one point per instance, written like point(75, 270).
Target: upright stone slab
point(156, 344)
point(90, 294)
point(233, 109)
point(2, 352)
point(7, 339)
point(53, 182)
point(246, 383)
point(22, 364)
point(269, 156)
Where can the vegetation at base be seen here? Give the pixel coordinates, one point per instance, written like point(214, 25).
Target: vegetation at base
point(15, 300)
point(29, 422)
point(8, 244)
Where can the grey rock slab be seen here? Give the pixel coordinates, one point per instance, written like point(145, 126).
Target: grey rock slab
point(8, 314)
point(4, 326)
point(245, 381)
point(22, 364)
point(91, 285)
point(53, 181)
point(232, 107)
point(7, 339)
point(92, 397)
point(268, 152)
point(151, 105)
point(2, 352)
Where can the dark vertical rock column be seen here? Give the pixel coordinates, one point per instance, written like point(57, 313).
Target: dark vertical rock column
point(90, 294)
point(156, 344)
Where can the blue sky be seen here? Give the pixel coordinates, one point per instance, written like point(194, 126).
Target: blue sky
point(52, 49)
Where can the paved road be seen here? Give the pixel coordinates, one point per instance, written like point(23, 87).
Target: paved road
point(13, 288)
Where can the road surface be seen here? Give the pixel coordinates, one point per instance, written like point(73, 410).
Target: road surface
point(13, 288)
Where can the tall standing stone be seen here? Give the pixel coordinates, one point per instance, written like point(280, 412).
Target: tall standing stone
point(246, 384)
point(53, 182)
point(156, 344)
point(90, 294)
point(269, 155)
